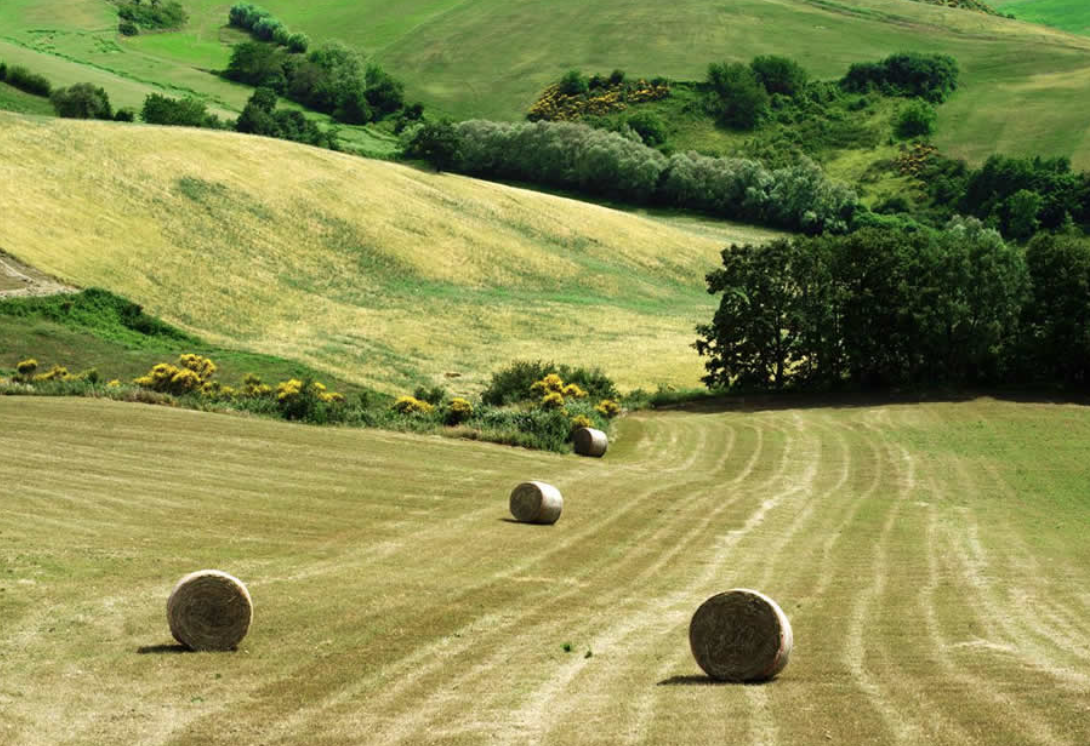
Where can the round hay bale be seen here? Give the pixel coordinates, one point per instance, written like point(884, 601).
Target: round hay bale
point(590, 442)
point(209, 610)
point(536, 502)
point(740, 635)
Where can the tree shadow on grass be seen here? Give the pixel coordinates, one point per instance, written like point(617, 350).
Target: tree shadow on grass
point(162, 649)
point(694, 680)
point(522, 523)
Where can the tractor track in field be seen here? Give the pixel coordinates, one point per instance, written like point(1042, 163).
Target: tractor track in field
point(397, 607)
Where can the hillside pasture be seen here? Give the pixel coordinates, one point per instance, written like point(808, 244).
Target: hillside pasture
point(931, 558)
point(491, 58)
point(1068, 15)
point(374, 272)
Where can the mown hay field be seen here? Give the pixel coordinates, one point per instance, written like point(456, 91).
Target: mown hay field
point(931, 558)
point(375, 272)
point(1023, 84)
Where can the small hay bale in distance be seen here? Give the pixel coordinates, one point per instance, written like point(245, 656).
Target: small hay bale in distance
point(740, 635)
point(209, 610)
point(590, 442)
point(536, 502)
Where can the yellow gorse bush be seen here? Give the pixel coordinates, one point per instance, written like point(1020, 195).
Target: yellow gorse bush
point(253, 387)
point(27, 367)
point(555, 106)
point(56, 373)
point(114, 384)
point(580, 421)
point(412, 405)
point(608, 408)
point(573, 391)
point(551, 383)
point(552, 400)
point(190, 375)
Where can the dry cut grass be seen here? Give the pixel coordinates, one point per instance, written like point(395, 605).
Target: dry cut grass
point(376, 272)
point(931, 558)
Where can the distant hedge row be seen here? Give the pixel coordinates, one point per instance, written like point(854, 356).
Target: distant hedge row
point(576, 156)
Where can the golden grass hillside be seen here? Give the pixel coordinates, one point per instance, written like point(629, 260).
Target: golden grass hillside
point(374, 271)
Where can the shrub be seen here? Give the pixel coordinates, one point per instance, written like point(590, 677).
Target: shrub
point(549, 384)
point(21, 78)
point(438, 143)
point(125, 115)
point(56, 373)
point(433, 395)
point(82, 101)
point(191, 374)
point(459, 410)
point(779, 75)
point(738, 98)
point(187, 112)
point(580, 421)
point(253, 387)
point(649, 126)
point(410, 405)
point(514, 383)
point(26, 368)
point(932, 77)
point(574, 83)
point(572, 391)
point(552, 400)
point(298, 43)
point(128, 28)
point(608, 408)
point(916, 119)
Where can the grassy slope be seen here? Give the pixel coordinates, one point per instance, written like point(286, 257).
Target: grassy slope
point(375, 272)
point(1069, 15)
point(21, 102)
point(42, 329)
point(1024, 85)
point(931, 558)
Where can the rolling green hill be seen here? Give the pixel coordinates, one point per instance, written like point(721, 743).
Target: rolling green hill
point(1069, 15)
point(1023, 85)
point(375, 272)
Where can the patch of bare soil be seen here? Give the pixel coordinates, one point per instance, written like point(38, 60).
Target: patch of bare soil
point(18, 279)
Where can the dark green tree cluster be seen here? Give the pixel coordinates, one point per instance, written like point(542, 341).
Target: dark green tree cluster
point(150, 14)
point(263, 26)
point(331, 78)
point(184, 112)
point(603, 163)
point(741, 95)
point(1018, 196)
point(885, 308)
point(928, 76)
point(261, 117)
point(82, 101)
point(19, 77)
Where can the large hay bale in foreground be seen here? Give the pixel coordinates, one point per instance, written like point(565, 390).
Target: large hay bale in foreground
point(209, 610)
point(590, 442)
point(536, 502)
point(740, 635)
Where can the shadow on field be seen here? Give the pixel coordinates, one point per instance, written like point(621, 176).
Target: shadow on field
point(162, 649)
point(705, 681)
point(520, 523)
point(793, 400)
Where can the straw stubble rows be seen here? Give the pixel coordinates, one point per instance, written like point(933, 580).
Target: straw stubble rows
point(932, 588)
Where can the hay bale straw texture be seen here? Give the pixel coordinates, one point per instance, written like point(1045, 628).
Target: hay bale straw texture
point(740, 635)
point(210, 610)
point(590, 442)
point(536, 502)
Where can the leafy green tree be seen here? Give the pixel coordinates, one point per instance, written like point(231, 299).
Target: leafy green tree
point(186, 112)
point(739, 99)
point(257, 65)
point(1058, 317)
point(916, 119)
point(298, 43)
point(649, 126)
point(82, 101)
point(574, 83)
point(1022, 209)
point(438, 143)
point(779, 74)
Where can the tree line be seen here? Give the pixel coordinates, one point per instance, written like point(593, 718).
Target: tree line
point(887, 308)
point(602, 163)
